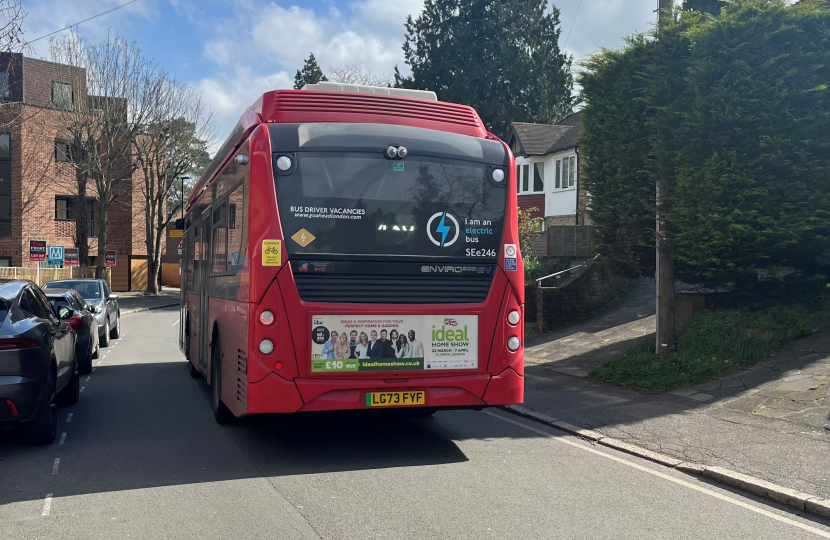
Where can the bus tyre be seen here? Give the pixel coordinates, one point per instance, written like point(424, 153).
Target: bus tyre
point(221, 413)
point(43, 428)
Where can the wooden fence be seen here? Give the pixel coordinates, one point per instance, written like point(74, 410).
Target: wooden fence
point(47, 274)
point(171, 275)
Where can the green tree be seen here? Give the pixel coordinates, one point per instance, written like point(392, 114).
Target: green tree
point(310, 74)
point(730, 111)
point(711, 7)
point(501, 57)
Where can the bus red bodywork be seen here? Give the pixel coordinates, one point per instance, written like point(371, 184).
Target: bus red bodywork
point(282, 382)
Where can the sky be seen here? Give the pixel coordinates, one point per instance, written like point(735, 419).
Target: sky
point(234, 50)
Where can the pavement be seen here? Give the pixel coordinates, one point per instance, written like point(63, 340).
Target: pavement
point(769, 421)
point(141, 457)
point(137, 301)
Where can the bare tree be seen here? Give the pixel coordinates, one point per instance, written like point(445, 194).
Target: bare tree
point(172, 141)
point(353, 74)
point(11, 18)
point(111, 93)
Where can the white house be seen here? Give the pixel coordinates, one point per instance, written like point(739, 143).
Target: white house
point(547, 171)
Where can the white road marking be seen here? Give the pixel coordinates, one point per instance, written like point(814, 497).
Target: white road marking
point(93, 369)
point(82, 388)
point(47, 505)
point(63, 438)
point(87, 378)
point(55, 465)
point(69, 418)
point(665, 476)
point(175, 323)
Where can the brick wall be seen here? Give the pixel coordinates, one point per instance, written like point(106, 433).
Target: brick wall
point(33, 178)
point(592, 289)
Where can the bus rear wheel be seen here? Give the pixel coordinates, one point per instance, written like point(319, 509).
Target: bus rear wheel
point(221, 413)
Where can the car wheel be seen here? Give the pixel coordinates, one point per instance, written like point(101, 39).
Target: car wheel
point(95, 353)
point(115, 333)
point(43, 428)
point(85, 366)
point(221, 413)
point(71, 393)
point(105, 339)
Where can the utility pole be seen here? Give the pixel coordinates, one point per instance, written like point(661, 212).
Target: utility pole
point(664, 273)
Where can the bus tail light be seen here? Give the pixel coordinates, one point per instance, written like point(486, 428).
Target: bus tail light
point(266, 346)
point(514, 318)
point(266, 318)
point(513, 344)
point(278, 366)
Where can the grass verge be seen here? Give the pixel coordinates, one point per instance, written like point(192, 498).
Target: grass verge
point(713, 344)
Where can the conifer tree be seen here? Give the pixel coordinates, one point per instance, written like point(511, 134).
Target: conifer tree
point(501, 57)
point(310, 74)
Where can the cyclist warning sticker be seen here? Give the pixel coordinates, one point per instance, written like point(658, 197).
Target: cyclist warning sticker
point(271, 252)
point(510, 257)
point(393, 342)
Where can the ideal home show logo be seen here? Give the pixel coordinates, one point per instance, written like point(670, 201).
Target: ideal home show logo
point(440, 233)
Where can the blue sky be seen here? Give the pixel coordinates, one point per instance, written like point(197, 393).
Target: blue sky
point(233, 51)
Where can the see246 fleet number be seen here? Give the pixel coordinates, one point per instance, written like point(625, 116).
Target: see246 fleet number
point(481, 252)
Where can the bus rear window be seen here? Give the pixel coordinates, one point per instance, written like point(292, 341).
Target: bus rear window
point(363, 204)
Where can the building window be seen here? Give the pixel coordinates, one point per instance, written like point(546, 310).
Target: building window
point(62, 96)
point(5, 90)
point(5, 146)
point(565, 173)
point(5, 262)
point(5, 208)
point(61, 151)
point(65, 206)
point(530, 178)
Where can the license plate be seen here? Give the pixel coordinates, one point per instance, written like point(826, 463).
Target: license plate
point(394, 399)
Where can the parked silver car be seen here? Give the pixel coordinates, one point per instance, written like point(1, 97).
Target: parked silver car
point(101, 299)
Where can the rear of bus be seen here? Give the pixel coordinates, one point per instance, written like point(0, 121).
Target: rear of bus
point(374, 217)
point(386, 229)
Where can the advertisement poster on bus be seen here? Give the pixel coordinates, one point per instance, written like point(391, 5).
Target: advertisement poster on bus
point(37, 250)
point(342, 343)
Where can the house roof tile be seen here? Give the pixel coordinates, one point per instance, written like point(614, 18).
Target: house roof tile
point(543, 139)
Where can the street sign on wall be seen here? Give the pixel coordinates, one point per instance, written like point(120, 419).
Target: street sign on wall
point(55, 255)
point(111, 255)
point(37, 250)
point(70, 256)
point(176, 233)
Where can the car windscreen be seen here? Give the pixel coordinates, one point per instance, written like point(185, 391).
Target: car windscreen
point(360, 203)
point(90, 290)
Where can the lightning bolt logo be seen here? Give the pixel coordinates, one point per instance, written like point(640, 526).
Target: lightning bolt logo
point(443, 229)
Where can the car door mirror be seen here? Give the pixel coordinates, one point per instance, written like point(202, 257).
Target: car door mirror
point(65, 313)
point(112, 296)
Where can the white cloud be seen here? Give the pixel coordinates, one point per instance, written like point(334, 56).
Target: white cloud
point(369, 34)
point(48, 16)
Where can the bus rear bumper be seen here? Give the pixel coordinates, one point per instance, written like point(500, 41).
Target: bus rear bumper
point(276, 395)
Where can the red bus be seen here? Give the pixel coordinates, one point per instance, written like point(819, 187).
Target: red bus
point(351, 250)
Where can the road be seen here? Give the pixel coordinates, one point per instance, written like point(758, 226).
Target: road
point(142, 458)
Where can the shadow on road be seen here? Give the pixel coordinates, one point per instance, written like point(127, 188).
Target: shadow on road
point(149, 424)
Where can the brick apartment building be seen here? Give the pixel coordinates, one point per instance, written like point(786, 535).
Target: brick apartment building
point(38, 189)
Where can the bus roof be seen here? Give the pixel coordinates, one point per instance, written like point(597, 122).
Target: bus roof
point(414, 108)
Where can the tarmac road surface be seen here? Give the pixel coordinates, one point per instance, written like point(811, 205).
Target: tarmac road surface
point(142, 458)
